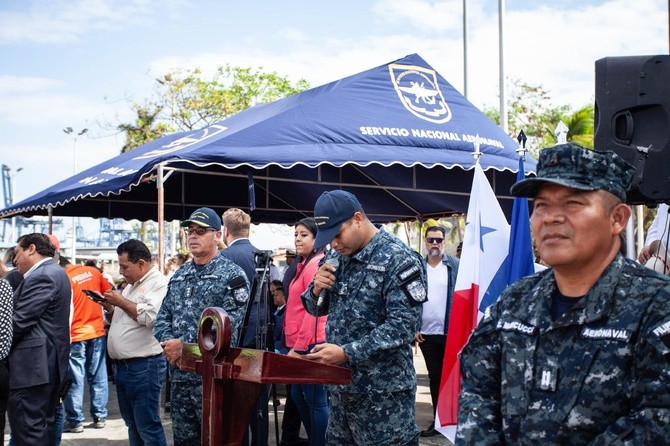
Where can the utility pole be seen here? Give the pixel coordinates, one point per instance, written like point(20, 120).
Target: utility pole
point(75, 136)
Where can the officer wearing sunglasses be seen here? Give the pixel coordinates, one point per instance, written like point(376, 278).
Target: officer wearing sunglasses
point(210, 280)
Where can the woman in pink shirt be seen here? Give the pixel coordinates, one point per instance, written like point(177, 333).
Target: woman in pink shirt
point(302, 331)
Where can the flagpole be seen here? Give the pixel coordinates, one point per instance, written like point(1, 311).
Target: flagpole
point(521, 151)
point(477, 153)
point(501, 59)
point(465, 49)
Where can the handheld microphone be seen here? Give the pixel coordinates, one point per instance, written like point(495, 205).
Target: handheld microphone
point(322, 295)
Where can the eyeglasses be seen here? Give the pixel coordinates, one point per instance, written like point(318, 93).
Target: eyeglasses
point(198, 231)
point(432, 240)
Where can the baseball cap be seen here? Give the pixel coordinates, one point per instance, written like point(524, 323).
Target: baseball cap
point(577, 167)
point(204, 217)
point(331, 210)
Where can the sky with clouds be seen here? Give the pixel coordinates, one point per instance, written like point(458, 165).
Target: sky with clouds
point(81, 63)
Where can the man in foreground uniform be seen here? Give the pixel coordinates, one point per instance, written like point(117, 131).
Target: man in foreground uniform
point(373, 301)
point(580, 352)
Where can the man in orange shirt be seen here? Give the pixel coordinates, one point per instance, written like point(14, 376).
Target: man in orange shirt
point(87, 348)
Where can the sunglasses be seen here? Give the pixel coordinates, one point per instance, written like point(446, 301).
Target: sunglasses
point(432, 240)
point(198, 231)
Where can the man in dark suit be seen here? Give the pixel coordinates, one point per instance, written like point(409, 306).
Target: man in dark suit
point(38, 359)
point(239, 250)
point(236, 225)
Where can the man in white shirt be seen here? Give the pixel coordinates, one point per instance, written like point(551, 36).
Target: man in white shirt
point(441, 272)
point(137, 357)
point(658, 230)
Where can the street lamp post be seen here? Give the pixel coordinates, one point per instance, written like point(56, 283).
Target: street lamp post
point(8, 182)
point(11, 197)
point(75, 136)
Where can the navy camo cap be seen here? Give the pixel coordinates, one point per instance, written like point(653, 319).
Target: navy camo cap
point(331, 210)
point(204, 217)
point(577, 167)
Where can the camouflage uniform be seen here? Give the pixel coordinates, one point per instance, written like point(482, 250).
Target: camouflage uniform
point(599, 374)
point(219, 283)
point(373, 314)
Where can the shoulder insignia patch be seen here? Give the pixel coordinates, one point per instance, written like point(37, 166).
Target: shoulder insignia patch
point(240, 295)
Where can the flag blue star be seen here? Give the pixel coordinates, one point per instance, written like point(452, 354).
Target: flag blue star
point(483, 230)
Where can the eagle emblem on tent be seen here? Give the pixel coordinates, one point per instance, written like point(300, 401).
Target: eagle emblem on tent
point(419, 92)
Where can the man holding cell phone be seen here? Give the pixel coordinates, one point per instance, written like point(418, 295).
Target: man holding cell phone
point(137, 357)
point(88, 348)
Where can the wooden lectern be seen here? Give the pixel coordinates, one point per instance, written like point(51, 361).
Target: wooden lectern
point(233, 378)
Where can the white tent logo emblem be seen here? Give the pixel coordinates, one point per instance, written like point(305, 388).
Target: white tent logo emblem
point(419, 92)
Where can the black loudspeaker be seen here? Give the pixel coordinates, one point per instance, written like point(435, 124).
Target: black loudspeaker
point(632, 118)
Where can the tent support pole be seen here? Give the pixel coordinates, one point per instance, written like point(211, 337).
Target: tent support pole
point(50, 219)
point(161, 217)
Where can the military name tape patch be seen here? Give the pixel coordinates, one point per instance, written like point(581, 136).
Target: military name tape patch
point(662, 329)
point(518, 326)
point(378, 268)
point(408, 273)
point(606, 333)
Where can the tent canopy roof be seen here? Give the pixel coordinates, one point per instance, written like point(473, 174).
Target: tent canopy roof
point(398, 136)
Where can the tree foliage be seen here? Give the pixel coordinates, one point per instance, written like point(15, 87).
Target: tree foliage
point(193, 102)
point(530, 109)
point(185, 99)
point(146, 127)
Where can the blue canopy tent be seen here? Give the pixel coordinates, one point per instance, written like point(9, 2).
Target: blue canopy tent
point(399, 136)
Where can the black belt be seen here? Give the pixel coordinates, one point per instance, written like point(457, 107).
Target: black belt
point(131, 360)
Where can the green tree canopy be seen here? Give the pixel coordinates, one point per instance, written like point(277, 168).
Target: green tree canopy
point(530, 109)
point(185, 99)
point(146, 127)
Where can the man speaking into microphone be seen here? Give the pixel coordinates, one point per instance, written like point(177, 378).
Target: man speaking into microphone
point(372, 295)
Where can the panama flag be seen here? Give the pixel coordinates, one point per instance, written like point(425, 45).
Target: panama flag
point(482, 276)
point(520, 260)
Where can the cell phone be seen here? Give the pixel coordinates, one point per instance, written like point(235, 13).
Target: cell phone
point(95, 296)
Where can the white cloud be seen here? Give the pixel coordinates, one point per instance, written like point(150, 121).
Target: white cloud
point(17, 85)
point(63, 21)
point(293, 35)
point(425, 15)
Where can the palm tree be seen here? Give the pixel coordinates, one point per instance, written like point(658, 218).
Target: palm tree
point(580, 126)
point(146, 127)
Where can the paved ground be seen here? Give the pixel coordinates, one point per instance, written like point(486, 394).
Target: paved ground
point(115, 433)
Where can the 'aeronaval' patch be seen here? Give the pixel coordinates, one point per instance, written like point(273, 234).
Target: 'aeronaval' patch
point(408, 273)
point(412, 285)
point(606, 333)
